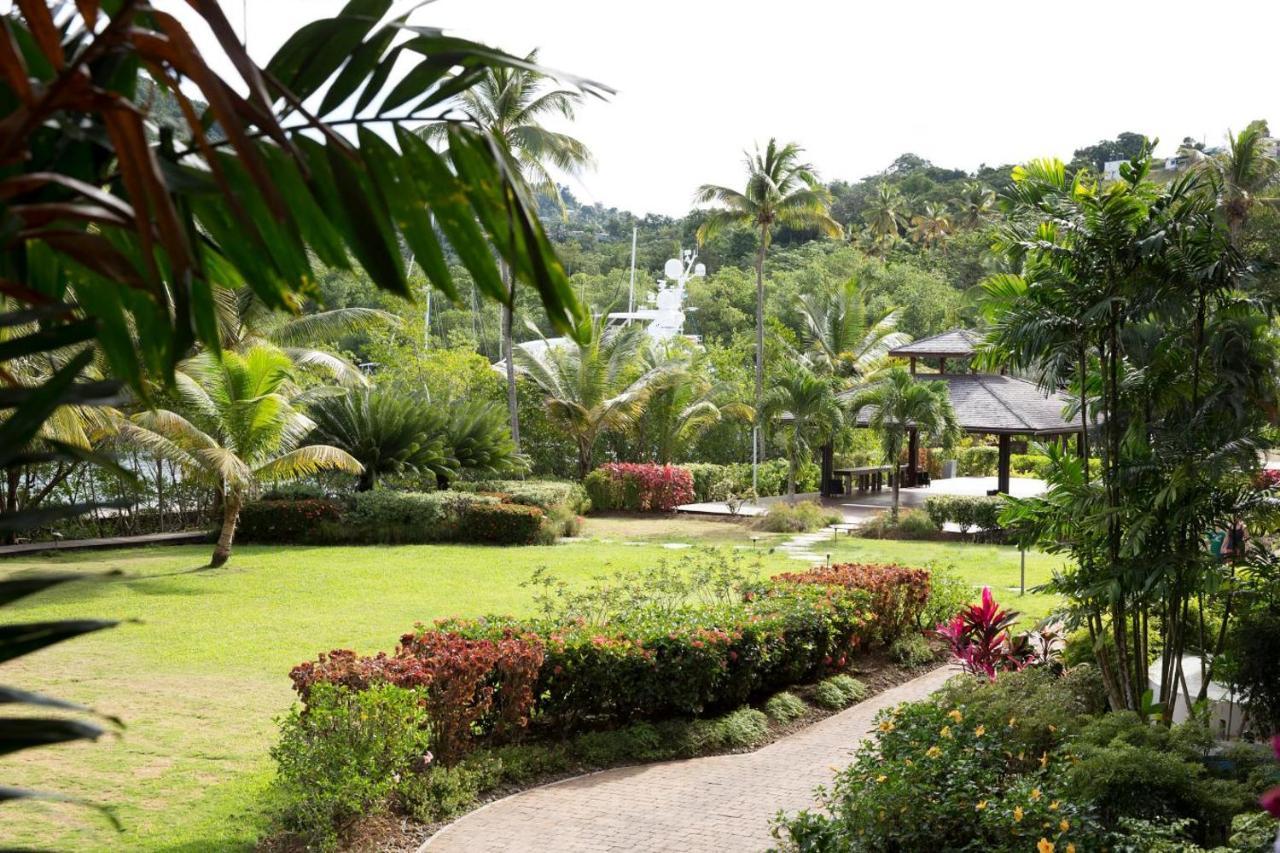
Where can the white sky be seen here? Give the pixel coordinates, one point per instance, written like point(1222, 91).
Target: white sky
point(858, 83)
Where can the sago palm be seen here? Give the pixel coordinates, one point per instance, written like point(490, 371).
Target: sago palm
point(596, 387)
point(806, 411)
point(844, 338)
point(781, 190)
point(237, 428)
point(898, 403)
point(513, 104)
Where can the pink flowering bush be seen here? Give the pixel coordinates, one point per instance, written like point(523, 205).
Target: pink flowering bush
point(639, 487)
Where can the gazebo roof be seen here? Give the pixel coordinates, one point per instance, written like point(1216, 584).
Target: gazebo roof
point(993, 404)
point(957, 343)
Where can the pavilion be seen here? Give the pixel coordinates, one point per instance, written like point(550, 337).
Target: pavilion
point(984, 403)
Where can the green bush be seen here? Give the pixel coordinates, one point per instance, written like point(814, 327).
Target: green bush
point(998, 766)
point(1253, 647)
point(302, 520)
point(712, 482)
point(382, 515)
point(966, 512)
point(341, 758)
point(546, 495)
point(503, 524)
point(980, 461)
point(839, 691)
point(913, 524)
point(911, 650)
point(949, 592)
point(803, 517)
point(745, 727)
point(784, 707)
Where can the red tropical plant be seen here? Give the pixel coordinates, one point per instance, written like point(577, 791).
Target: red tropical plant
point(980, 638)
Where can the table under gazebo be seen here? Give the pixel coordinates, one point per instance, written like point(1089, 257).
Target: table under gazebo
point(984, 404)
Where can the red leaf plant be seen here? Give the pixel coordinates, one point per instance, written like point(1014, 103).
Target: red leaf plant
point(981, 642)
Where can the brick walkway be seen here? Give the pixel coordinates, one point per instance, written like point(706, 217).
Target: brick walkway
point(719, 803)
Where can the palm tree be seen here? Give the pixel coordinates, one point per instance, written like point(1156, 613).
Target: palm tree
point(898, 403)
point(974, 204)
point(1241, 173)
point(807, 411)
point(685, 404)
point(512, 104)
point(596, 387)
point(886, 214)
point(239, 428)
point(245, 321)
point(781, 190)
point(843, 338)
point(931, 225)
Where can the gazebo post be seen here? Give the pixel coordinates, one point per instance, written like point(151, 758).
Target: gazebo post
point(913, 451)
point(1002, 471)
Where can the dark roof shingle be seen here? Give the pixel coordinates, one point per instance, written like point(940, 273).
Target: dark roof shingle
point(985, 402)
point(957, 343)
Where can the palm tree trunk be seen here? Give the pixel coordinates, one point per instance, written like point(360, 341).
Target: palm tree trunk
point(756, 437)
point(791, 478)
point(230, 515)
point(508, 343)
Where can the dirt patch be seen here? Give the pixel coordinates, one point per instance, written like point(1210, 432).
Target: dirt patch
point(641, 527)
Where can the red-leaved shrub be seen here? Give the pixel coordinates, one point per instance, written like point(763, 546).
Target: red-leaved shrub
point(980, 639)
point(473, 686)
point(639, 487)
point(898, 593)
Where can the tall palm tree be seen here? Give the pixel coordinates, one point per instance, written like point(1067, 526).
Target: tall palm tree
point(238, 428)
point(1240, 174)
point(512, 104)
point(805, 408)
point(781, 190)
point(931, 225)
point(974, 204)
point(596, 387)
point(898, 403)
point(843, 337)
point(887, 214)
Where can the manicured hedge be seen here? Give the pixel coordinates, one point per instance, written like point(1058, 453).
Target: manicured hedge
point(710, 482)
point(288, 520)
point(978, 461)
point(982, 513)
point(390, 517)
point(655, 663)
point(639, 487)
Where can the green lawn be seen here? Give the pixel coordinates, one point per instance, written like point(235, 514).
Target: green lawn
point(202, 673)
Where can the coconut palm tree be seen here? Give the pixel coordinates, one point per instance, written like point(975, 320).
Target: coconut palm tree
point(596, 387)
point(512, 104)
point(781, 190)
point(974, 204)
point(931, 225)
point(1240, 174)
point(843, 337)
point(805, 408)
point(886, 214)
point(686, 404)
point(898, 403)
point(238, 428)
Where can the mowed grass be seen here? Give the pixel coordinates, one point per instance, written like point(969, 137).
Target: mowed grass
point(202, 673)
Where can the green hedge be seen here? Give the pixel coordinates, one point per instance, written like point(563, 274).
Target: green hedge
point(390, 517)
point(711, 482)
point(977, 461)
point(982, 513)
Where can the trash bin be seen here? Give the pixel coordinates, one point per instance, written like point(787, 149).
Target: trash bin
point(948, 469)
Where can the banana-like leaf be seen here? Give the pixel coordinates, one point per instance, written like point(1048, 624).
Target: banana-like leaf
point(25, 638)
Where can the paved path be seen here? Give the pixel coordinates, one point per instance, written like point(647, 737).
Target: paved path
point(179, 538)
point(719, 803)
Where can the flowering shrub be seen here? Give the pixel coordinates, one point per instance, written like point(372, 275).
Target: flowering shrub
point(473, 686)
point(287, 520)
point(639, 487)
point(1268, 478)
point(898, 594)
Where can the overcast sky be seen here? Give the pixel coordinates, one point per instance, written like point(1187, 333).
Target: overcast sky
point(858, 83)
